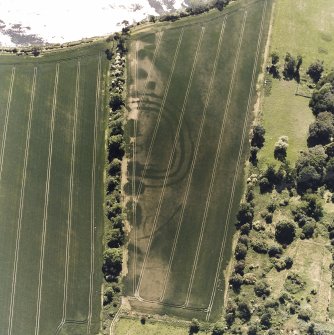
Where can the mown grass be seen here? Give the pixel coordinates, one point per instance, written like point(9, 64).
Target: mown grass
point(134, 327)
point(286, 114)
point(207, 211)
point(22, 244)
point(303, 28)
point(306, 28)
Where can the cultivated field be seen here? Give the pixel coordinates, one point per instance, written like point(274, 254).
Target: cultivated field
point(51, 191)
point(192, 90)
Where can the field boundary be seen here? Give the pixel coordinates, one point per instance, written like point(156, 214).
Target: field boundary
point(238, 162)
point(173, 150)
point(46, 201)
point(22, 193)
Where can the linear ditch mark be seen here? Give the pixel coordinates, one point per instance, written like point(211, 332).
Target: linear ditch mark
point(173, 151)
point(212, 182)
point(199, 136)
point(46, 202)
point(5, 126)
point(238, 165)
point(19, 221)
point(92, 218)
point(156, 130)
point(134, 206)
point(70, 201)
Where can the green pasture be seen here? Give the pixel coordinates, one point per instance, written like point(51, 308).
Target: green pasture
point(50, 199)
point(305, 28)
point(193, 82)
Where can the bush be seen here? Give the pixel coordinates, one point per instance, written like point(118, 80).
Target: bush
point(281, 147)
point(218, 328)
point(265, 320)
point(275, 251)
point(236, 281)
point(265, 185)
point(315, 70)
point(194, 326)
point(304, 314)
point(116, 102)
point(112, 263)
point(308, 230)
point(244, 239)
point(258, 136)
point(114, 168)
point(262, 288)
point(322, 130)
point(245, 214)
point(245, 229)
point(285, 232)
point(240, 251)
point(260, 246)
point(244, 310)
point(239, 267)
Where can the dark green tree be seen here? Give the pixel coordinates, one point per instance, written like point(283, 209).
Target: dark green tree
point(285, 232)
point(315, 70)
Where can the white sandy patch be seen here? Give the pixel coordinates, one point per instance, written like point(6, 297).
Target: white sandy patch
point(70, 20)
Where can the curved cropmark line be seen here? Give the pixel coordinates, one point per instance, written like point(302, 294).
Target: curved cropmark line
point(238, 164)
point(157, 126)
point(134, 206)
point(199, 136)
point(5, 126)
point(46, 202)
point(172, 154)
point(92, 218)
point(70, 200)
point(212, 182)
point(148, 158)
point(19, 221)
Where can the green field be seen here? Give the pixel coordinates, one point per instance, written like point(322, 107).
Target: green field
point(305, 28)
point(51, 191)
point(191, 93)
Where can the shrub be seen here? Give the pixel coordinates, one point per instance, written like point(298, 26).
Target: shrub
point(304, 314)
point(265, 320)
point(262, 288)
point(236, 281)
point(308, 230)
point(245, 214)
point(275, 251)
point(245, 229)
point(265, 185)
point(240, 251)
point(218, 328)
point(239, 267)
point(244, 310)
point(108, 295)
point(244, 239)
point(194, 326)
point(285, 232)
point(258, 136)
point(281, 147)
point(116, 102)
point(315, 70)
point(114, 168)
point(260, 246)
